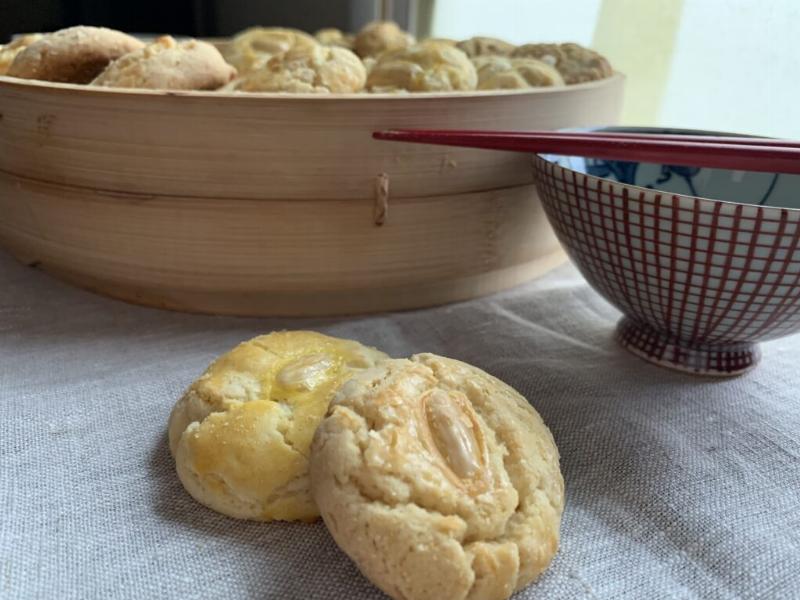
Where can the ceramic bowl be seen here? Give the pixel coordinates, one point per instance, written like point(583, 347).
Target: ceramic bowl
point(703, 263)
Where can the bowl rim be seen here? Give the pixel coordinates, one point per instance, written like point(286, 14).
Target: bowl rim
point(546, 158)
point(7, 82)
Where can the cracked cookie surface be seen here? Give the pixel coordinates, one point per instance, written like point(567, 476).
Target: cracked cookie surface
point(378, 37)
point(424, 67)
point(241, 433)
point(256, 45)
point(485, 46)
point(575, 63)
point(503, 73)
point(169, 65)
point(311, 70)
point(438, 480)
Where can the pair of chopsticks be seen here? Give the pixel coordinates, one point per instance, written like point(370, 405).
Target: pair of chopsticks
point(737, 153)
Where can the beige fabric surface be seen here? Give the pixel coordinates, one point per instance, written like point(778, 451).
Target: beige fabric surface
point(676, 487)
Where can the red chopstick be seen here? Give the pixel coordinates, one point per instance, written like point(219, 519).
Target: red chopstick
point(739, 153)
point(623, 135)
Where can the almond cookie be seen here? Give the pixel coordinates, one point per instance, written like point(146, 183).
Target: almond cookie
point(9, 51)
point(446, 41)
point(306, 69)
point(330, 36)
point(438, 480)
point(168, 65)
point(241, 433)
point(377, 37)
point(72, 55)
point(575, 63)
point(485, 46)
point(254, 46)
point(503, 73)
point(425, 67)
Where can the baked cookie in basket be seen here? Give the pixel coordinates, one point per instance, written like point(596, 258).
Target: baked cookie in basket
point(169, 65)
point(306, 69)
point(378, 37)
point(575, 63)
point(330, 36)
point(72, 55)
point(438, 40)
point(424, 67)
point(485, 46)
point(502, 72)
point(256, 45)
point(9, 51)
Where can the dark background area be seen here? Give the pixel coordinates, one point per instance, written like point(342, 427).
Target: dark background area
point(198, 18)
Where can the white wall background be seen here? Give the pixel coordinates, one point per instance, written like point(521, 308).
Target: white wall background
point(736, 67)
point(518, 21)
point(732, 65)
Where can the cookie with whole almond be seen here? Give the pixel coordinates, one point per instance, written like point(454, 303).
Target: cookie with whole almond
point(438, 480)
point(241, 433)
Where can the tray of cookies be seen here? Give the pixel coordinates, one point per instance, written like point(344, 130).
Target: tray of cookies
point(240, 176)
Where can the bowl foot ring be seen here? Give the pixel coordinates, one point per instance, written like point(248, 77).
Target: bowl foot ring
point(665, 350)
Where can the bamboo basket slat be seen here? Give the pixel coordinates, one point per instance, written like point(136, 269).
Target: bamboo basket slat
point(265, 204)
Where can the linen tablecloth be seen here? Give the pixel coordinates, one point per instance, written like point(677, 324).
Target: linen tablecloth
point(677, 487)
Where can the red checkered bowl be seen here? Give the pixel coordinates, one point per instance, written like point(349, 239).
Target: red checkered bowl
point(703, 263)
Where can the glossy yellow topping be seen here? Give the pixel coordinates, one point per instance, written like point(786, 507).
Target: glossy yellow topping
point(241, 433)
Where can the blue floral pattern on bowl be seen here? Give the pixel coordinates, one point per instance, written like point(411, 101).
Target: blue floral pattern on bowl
point(748, 187)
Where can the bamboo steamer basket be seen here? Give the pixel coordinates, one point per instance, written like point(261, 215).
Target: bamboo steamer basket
point(269, 204)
